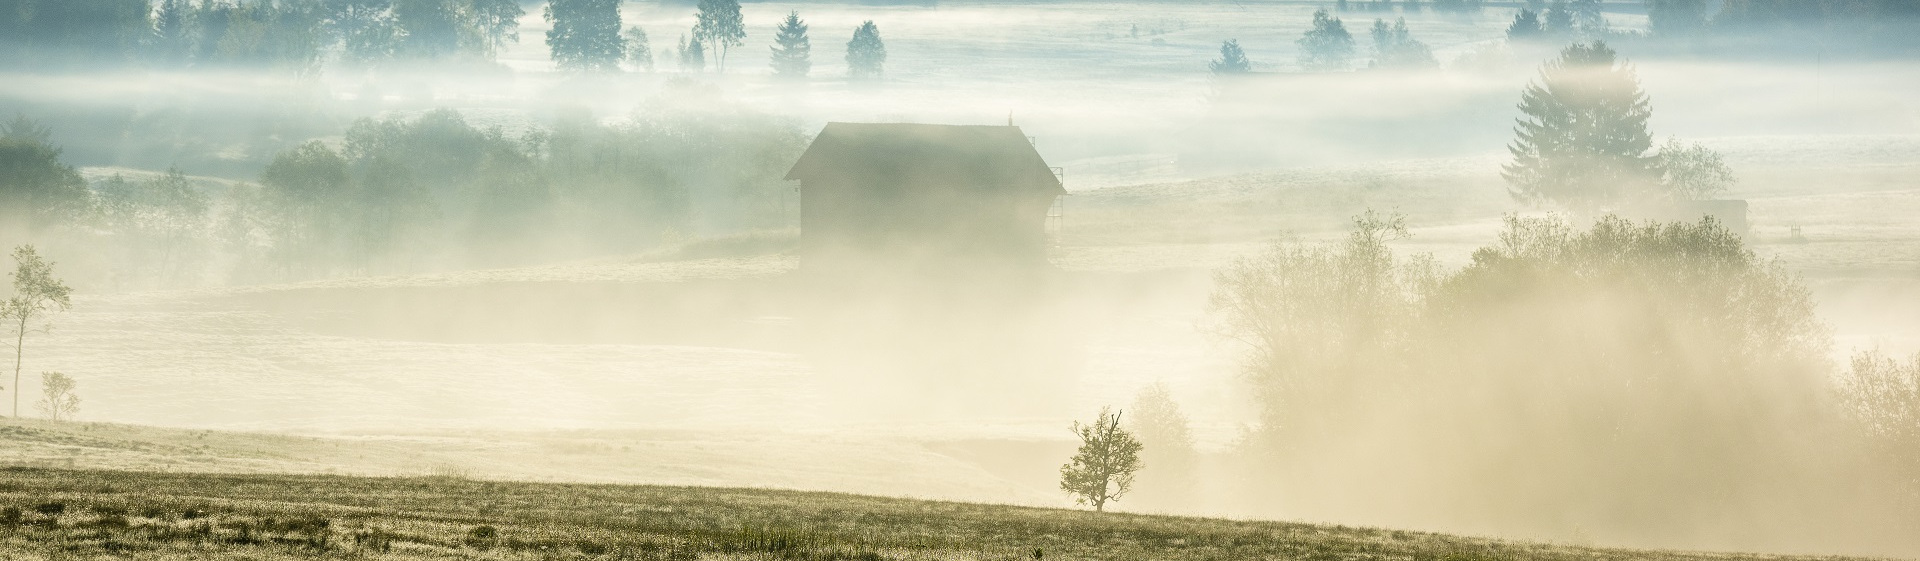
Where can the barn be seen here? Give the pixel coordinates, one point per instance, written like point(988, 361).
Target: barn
point(920, 194)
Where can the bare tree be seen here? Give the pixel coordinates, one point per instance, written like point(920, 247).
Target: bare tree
point(1167, 436)
point(36, 292)
point(58, 401)
point(1103, 468)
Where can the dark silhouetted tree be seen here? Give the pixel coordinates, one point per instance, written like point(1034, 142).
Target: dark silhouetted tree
point(37, 190)
point(639, 50)
point(1232, 60)
point(1526, 26)
point(719, 25)
point(1327, 46)
point(433, 29)
point(792, 51)
point(36, 293)
point(866, 53)
point(172, 34)
point(585, 34)
point(1102, 470)
point(1582, 142)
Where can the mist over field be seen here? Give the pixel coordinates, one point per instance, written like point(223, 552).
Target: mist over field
point(323, 237)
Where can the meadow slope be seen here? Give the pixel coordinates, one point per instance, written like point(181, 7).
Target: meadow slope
point(59, 514)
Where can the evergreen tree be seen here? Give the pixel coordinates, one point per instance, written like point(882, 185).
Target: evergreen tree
point(1583, 141)
point(866, 53)
point(718, 23)
point(585, 34)
point(639, 52)
point(792, 51)
point(1232, 60)
point(693, 57)
point(1102, 470)
point(1328, 46)
point(173, 39)
point(1559, 20)
point(1587, 18)
point(1395, 47)
point(1676, 18)
point(1525, 27)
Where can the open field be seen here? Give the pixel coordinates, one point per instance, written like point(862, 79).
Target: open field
point(59, 514)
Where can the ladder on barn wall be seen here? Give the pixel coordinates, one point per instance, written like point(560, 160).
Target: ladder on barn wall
point(1057, 214)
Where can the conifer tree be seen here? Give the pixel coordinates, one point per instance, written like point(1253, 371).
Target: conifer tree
point(1525, 27)
point(1232, 59)
point(693, 57)
point(1583, 141)
point(866, 53)
point(1558, 22)
point(1327, 46)
point(792, 51)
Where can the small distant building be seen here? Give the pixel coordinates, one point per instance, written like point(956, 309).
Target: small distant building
point(923, 193)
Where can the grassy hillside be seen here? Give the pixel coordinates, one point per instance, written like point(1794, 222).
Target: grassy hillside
point(47, 514)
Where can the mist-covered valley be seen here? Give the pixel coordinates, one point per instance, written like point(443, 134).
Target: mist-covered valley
point(1320, 288)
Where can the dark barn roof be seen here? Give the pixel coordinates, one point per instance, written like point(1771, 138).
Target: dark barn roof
point(985, 156)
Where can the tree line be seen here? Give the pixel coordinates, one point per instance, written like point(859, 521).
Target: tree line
point(407, 194)
point(303, 35)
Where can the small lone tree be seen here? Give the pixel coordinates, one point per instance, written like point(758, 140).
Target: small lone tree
point(36, 292)
point(866, 53)
point(58, 401)
point(1103, 468)
point(718, 23)
point(1328, 46)
point(1232, 60)
point(639, 50)
point(1692, 171)
point(792, 51)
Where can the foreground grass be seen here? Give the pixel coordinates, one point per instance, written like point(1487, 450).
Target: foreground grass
point(66, 514)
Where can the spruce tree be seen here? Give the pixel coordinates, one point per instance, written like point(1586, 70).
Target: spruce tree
point(866, 53)
point(1587, 18)
point(1525, 27)
point(792, 51)
point(1328, 46)
point(1558, 22)
point(693, 57)
point(1583, 140)
point(585, 34)
point(639, 50)
point(1232, 60)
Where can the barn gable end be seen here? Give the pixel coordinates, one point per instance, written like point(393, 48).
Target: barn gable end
point(923, 192)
